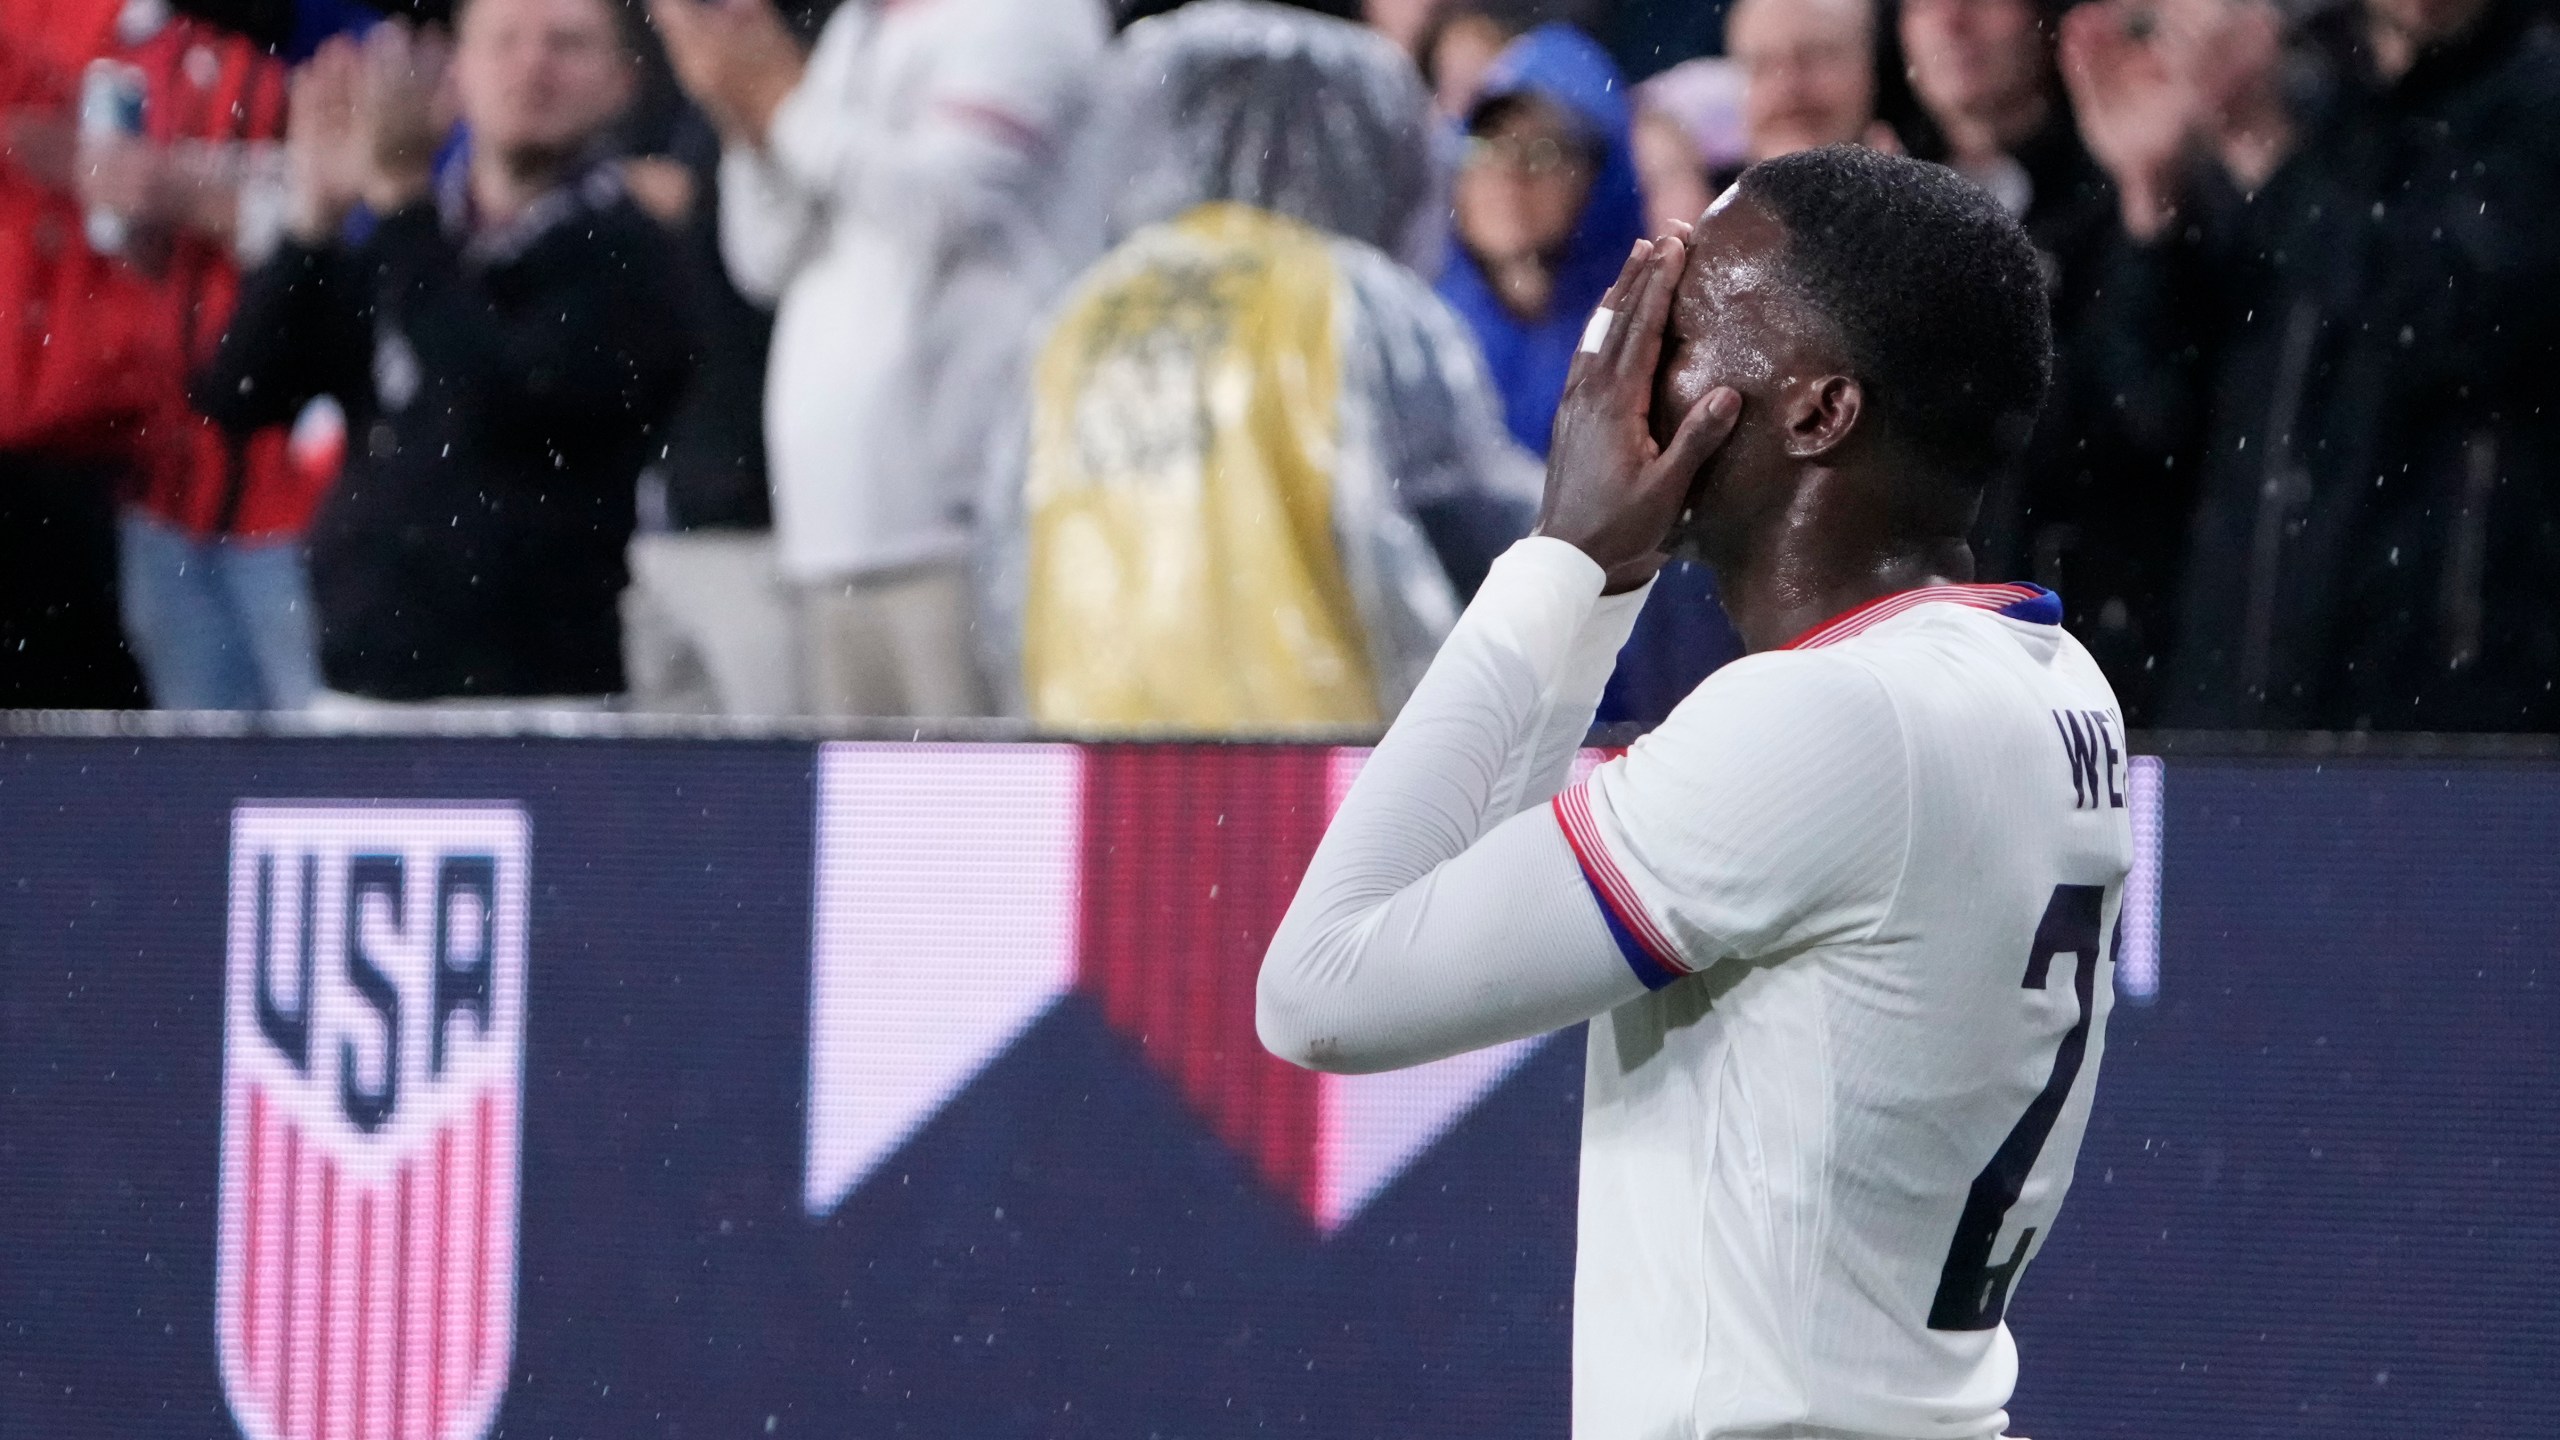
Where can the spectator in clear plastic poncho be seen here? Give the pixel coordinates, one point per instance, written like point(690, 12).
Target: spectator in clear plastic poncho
point(1262, 463)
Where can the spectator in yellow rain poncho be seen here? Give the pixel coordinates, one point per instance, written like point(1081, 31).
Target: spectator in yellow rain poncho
point(1262, 463)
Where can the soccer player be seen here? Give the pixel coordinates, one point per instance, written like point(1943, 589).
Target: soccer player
point(1839, 924)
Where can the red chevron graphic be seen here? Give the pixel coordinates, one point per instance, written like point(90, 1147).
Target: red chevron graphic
point(1191, 854)
point(961, 890)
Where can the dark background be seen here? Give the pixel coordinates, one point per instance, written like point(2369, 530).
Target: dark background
point(2316, 1199)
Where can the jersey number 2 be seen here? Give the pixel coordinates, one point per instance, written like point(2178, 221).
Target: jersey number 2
point(1973, 1290)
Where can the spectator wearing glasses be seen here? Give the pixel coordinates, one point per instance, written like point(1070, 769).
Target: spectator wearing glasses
point(1547, 206)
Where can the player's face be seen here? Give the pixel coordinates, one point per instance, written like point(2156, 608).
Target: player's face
point(1737, 322)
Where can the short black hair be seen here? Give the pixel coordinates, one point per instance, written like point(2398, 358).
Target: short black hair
point(1937, 293)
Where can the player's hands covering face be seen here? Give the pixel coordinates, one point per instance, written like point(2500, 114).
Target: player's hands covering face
point(1612, 492)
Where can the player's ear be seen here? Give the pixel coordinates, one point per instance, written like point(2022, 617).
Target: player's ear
point(1819, 413)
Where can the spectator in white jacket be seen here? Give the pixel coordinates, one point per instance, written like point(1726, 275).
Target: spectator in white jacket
point(879, 190)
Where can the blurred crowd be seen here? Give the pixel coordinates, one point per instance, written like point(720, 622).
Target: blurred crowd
point(1185, 372)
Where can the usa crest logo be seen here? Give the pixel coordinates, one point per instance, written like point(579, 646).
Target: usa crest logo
point(373, 1078)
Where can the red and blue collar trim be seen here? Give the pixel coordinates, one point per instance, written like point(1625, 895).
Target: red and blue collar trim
point(2032, 603)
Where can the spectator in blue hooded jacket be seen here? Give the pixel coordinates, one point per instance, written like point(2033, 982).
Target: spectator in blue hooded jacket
point(1547, 207)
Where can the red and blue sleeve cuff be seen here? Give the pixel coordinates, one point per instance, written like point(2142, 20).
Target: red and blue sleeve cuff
point(1648, 952)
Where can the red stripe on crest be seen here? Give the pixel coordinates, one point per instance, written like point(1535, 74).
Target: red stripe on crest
point(436, 1253)
point(364, 1313)
point(321, 1334)
point(464, 1215)
point(292, 1272)
point(405, 1296)
point(480, 1251)
point(247, 1317)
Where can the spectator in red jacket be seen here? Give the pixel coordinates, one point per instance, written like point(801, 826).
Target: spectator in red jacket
point(78, 342)
point(124, 268)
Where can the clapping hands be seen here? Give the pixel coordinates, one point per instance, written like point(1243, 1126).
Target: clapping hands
point(365, 122)
point(734, 57)
point(2133, 68)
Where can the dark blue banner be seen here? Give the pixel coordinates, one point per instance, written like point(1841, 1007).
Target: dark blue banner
point(720, 1089)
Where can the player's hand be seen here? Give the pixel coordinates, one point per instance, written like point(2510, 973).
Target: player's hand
point(1612, 493)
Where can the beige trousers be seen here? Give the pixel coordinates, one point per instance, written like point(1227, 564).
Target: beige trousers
point(896, 644)
point(708, 626)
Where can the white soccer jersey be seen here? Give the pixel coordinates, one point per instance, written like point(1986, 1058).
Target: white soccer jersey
point(1889, 859)
point(1841, 928)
